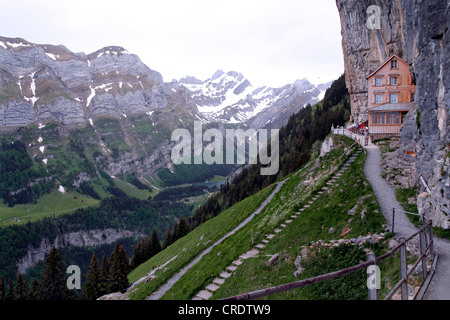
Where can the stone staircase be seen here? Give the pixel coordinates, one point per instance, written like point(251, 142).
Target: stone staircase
point(209, 290)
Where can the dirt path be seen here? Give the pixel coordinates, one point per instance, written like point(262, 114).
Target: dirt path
point(439, 288)
point(166, 287)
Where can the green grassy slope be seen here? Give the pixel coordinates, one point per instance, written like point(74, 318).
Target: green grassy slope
point(329, 210)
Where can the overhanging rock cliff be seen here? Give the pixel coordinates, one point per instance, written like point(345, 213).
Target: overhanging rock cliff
point(418, 32)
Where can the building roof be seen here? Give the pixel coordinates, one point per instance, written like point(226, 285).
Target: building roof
point(382, 65)
point(405, 106)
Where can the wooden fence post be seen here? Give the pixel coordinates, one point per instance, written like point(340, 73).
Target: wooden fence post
point(423, 249)
point(393, 219)
point(431, 238)
point(373, 287)
point(403, 271)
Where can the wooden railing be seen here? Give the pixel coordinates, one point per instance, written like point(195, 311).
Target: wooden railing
point(344, 132)
point(426, 249)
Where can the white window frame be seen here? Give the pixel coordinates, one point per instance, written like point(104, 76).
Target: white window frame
point(378, 98)
point(393, 98)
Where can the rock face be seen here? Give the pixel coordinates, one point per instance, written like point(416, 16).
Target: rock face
point(417, 31)
point(75, 239)
point(40, 83)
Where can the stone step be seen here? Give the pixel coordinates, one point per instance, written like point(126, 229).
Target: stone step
point(225, 275)
point(203, 295)
point(212, 287)
point(217, 281)
point(238, 262)
point(250, 254)
point(232, 268)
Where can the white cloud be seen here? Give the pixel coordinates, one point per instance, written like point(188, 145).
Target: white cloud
point(271, 42)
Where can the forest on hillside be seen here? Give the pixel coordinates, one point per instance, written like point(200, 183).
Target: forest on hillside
point(299, 139)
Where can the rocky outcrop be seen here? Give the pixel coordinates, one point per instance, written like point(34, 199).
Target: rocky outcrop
point(416, 31)
point(74, 239)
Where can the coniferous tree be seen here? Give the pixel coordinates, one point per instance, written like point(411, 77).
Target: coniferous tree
point(34, 293)
point(138, 254)
point(2, 288)
point(119, 269)
point(155, 245)
point(167, 240)
point(22, 291)
point(10, 294)
point(104, 276)
point(92, 287)
point(53, 279)
point(181, 229)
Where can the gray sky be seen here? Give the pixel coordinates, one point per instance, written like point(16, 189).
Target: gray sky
point(271, 42)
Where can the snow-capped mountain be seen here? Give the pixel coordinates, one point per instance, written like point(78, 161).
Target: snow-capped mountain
point(231, 98)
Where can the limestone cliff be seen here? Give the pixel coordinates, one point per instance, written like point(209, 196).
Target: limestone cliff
point(417, 31)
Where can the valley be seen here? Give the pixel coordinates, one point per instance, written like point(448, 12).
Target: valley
point(90, 170)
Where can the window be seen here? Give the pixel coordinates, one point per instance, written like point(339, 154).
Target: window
point(378, 98)
point(413, 97)
point(396, 117)
point(389, 118)
point(403, 117)
point(393, 98)
point(378, 118)
point(378, 82)
point(394, 64)
point(394, 81)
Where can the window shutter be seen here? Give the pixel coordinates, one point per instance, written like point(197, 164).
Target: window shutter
point(399, 80)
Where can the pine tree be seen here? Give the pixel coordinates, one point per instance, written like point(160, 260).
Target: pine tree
point(104, 276)
point(167, 240)
point(92, 287)
point(155, 245)
point(53, 279)
point(2, 288)
point(10, 294)
point(138, 255)
point(182, 229)
point(119, 269)
point(22, 291)
point(34, 293)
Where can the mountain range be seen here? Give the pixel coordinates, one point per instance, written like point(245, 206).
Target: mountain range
point(231, 98)
point(40, 83)
point(121, 111)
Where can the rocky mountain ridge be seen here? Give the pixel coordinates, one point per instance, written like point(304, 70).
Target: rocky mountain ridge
point(231, 98)
point(41, 83)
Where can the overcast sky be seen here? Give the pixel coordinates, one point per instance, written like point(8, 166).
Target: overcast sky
point(271, 42)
